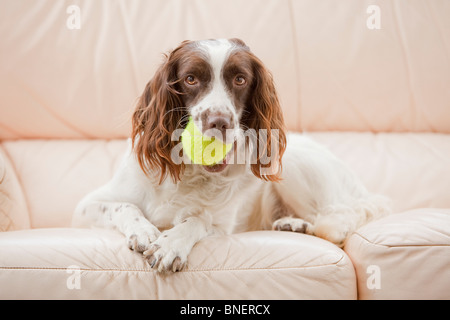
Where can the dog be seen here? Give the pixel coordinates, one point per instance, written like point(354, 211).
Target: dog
point(164, 205)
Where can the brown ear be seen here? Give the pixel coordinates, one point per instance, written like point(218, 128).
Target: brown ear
point(156, 116)
point(265, 113)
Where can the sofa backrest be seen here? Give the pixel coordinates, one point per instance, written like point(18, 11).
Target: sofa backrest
point(74, 69)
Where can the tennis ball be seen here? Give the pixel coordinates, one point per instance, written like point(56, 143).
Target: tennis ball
point(202, 149)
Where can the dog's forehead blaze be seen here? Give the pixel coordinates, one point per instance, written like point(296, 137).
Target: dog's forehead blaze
point(217, 52)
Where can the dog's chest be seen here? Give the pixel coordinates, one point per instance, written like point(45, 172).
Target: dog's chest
point(221, 200)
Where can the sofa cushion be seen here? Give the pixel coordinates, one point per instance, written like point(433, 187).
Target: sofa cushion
point(403, 256)
point(13, 207)
point(356, 78)
point(56, 174)
point(412, 169)
point(97, 264)
point(328, 68)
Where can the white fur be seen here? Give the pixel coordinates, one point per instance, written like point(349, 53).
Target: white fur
point(318, 195)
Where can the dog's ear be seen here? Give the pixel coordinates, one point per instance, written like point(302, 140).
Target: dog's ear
point(157, 114)
point(240, 43)
point(265, 116)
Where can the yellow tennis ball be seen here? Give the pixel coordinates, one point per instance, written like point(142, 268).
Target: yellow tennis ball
point(202, 149)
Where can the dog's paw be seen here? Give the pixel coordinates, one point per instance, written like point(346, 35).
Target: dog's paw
point(142, 236)
point(292, 224)
point(167, 253)
point(332, 229)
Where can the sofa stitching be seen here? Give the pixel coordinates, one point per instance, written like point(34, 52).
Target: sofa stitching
point(398, 246)
point(336, 264)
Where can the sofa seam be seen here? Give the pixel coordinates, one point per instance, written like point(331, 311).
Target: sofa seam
point(336, 264)
point(398, 246)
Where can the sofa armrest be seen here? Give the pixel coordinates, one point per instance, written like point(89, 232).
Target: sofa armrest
point(403, 256)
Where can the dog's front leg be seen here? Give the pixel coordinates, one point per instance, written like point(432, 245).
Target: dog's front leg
point(124, 217)
point(170, 251)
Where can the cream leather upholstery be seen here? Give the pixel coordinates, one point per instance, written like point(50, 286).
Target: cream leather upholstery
point(378, 98)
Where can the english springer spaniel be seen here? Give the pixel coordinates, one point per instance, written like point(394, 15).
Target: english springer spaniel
point(164, 204)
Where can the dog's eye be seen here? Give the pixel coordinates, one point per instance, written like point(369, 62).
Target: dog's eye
point(239, 81)
point(190, 80)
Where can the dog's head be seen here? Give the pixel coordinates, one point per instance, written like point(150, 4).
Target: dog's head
point(223, 86)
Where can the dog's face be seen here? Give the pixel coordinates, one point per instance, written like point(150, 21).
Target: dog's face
point(222, 86)
point(216, 78)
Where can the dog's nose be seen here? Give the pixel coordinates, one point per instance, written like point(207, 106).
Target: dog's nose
point(219, 122)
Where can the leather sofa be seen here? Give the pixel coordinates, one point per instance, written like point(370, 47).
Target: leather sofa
point(369, 80)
